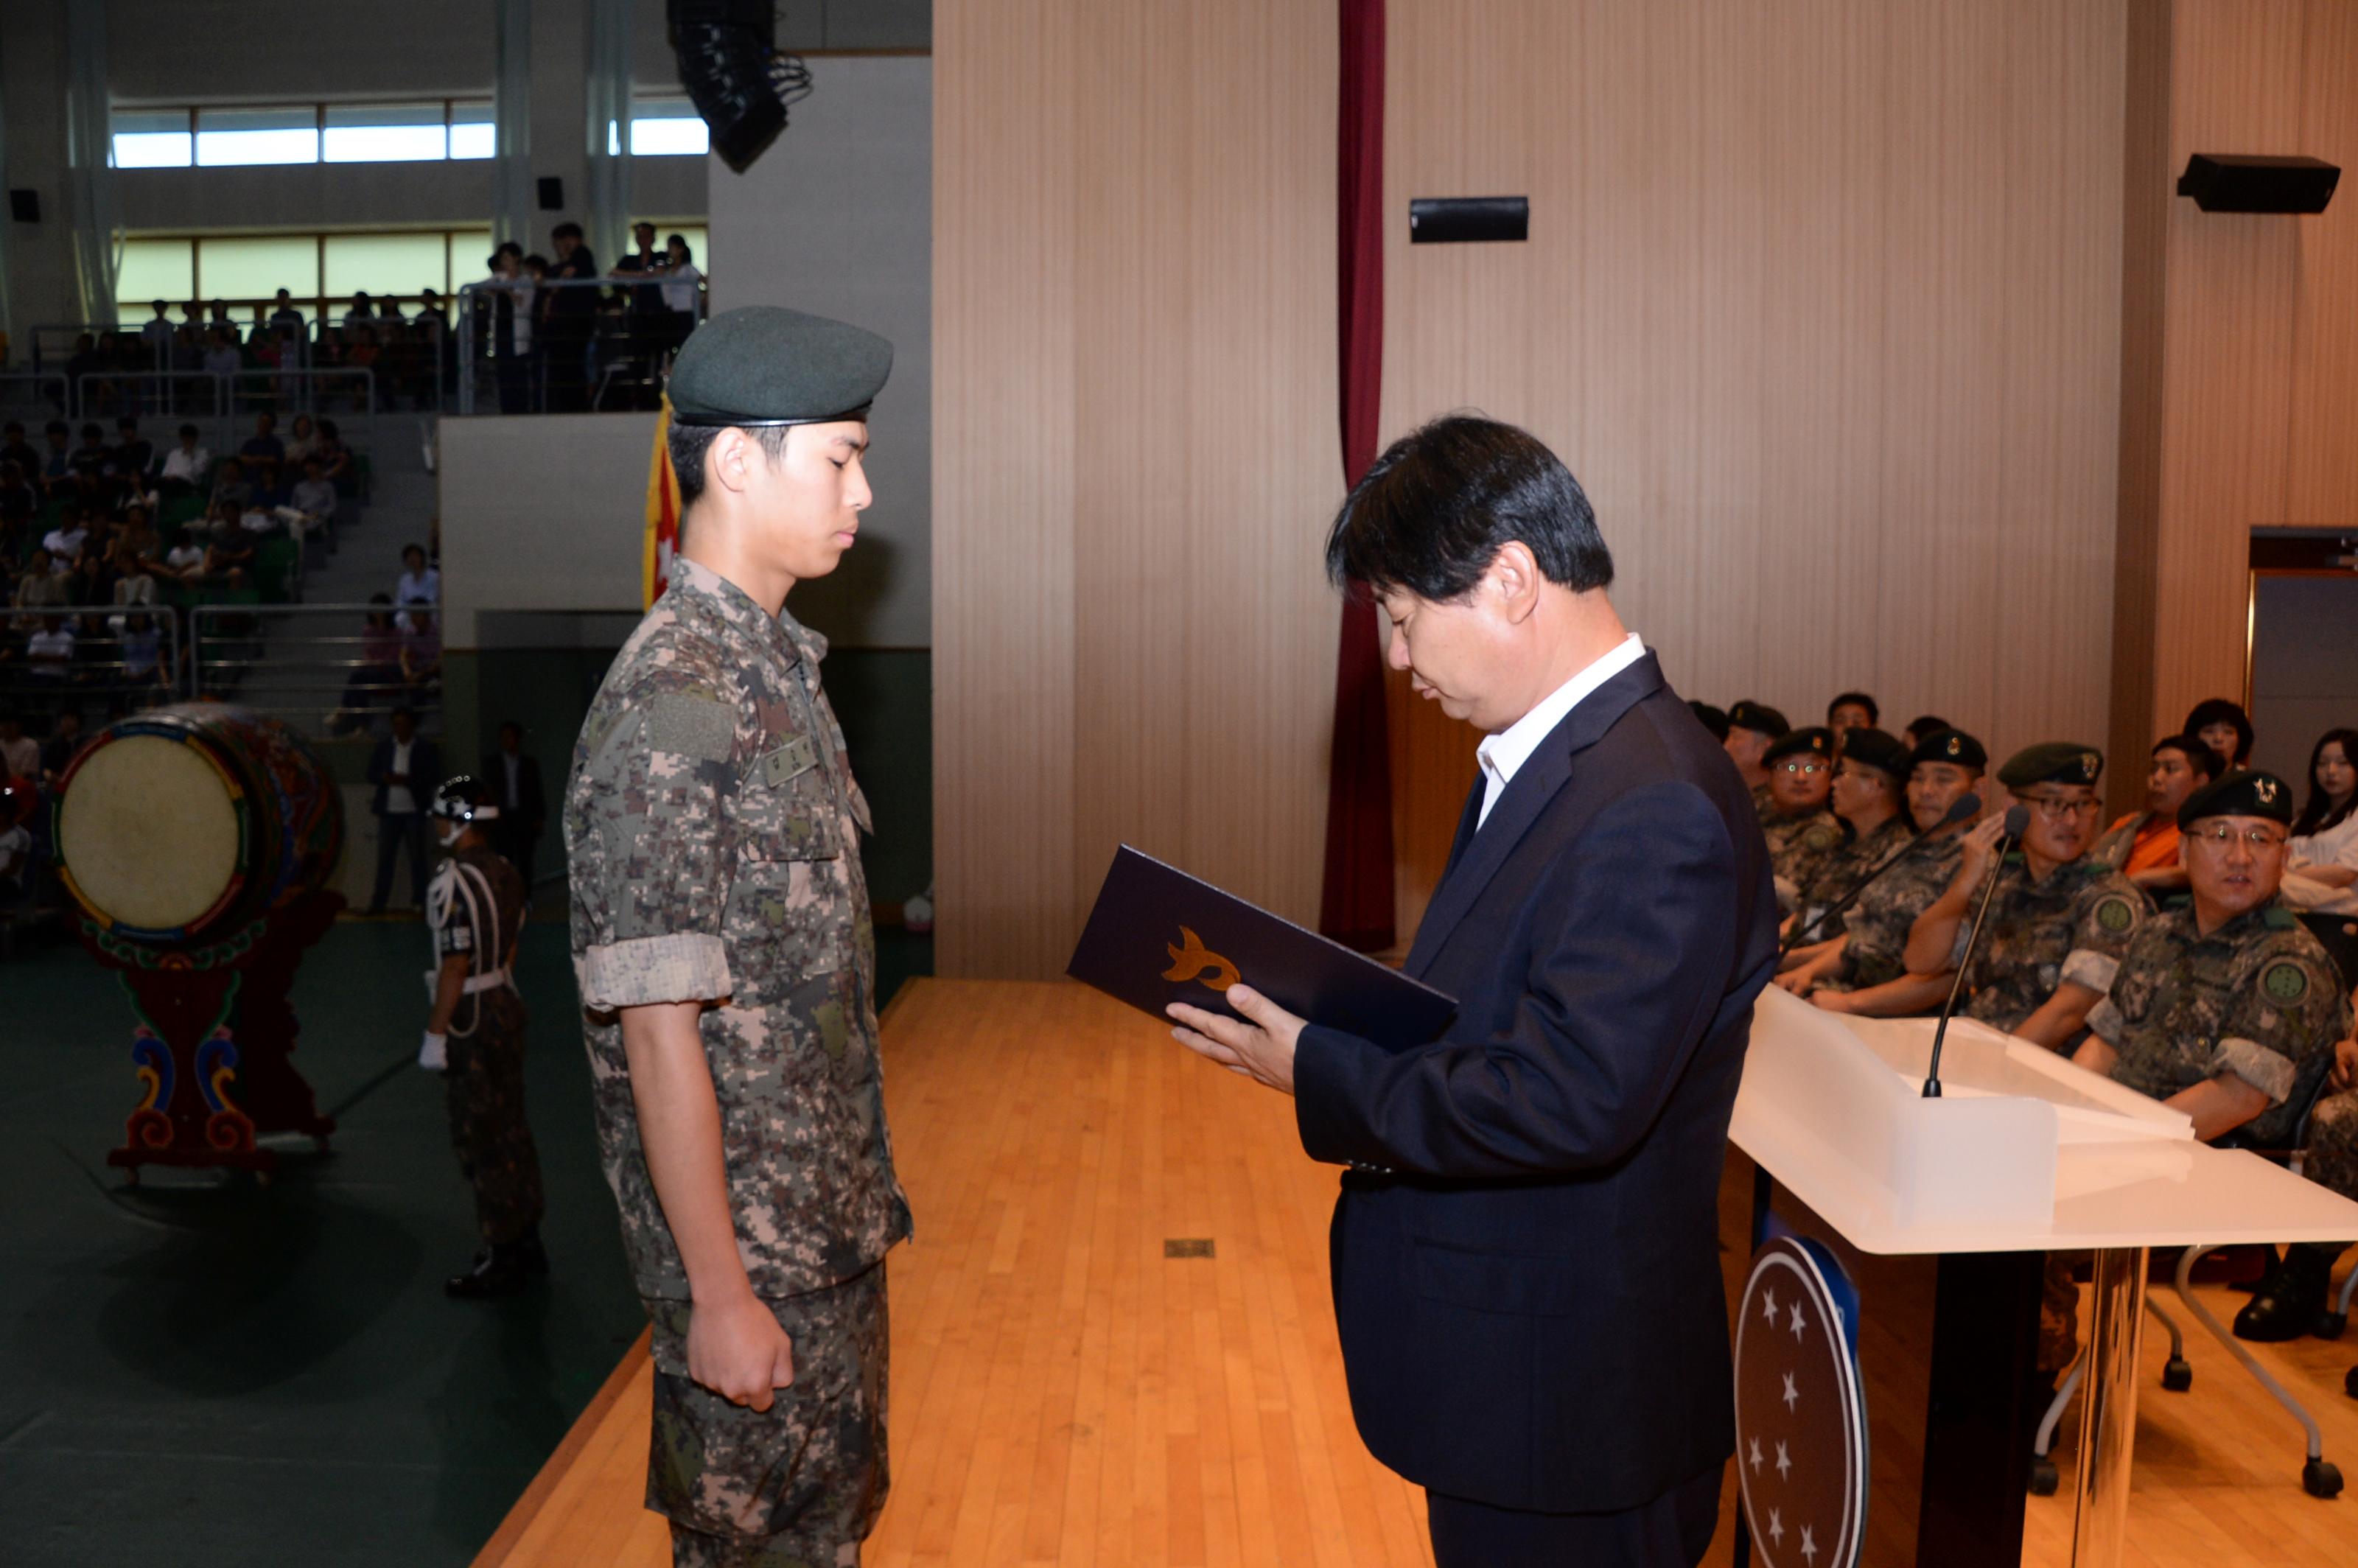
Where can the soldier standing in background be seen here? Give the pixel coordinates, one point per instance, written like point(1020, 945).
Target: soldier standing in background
point(474, 912)
point(722, 941)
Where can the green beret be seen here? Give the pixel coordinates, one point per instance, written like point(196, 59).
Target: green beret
point(1949, 746)
point(2244, 793)
point(1758, 717)
point(2052, 761)
point(763, 364)
point(1817, 740)
point(1877, 748)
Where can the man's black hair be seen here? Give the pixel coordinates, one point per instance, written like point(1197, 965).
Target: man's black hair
point(191, 430)
point(2219, 711)
point(1855, 700)
point(565, 230)
point(1923, 724)
point(419, 549)
point(2198, 756)
point(690, 443)
point(1431, 513)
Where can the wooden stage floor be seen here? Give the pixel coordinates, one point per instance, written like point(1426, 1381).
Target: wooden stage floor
point(1065, 1393)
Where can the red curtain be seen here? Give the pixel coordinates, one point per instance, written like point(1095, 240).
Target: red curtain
point(1356, 899)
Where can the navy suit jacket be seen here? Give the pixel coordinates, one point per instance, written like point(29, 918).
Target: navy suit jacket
point(1525, 1254)
point(425, 771)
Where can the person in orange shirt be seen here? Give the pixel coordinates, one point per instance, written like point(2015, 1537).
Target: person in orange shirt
point(2143, 846)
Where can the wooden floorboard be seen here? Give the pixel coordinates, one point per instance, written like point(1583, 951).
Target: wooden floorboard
point(1064, 1394)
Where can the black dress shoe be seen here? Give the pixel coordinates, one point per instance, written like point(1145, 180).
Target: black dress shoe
point(2293, 1301)
point(499, 1272)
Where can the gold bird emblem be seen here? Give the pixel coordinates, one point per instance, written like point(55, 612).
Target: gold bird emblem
point(1192, 960)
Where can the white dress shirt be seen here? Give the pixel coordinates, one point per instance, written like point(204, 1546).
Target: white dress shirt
point(1503, 754)
point(398, 801)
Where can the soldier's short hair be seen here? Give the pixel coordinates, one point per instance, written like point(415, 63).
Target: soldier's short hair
point(1431, 513)
point(690, 444)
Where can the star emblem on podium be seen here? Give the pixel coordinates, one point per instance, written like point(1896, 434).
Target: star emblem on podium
point(1801, 1413)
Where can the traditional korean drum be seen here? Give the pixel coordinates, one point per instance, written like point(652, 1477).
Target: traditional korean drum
point(181, 824)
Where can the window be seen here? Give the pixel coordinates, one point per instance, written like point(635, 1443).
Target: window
point(665, 128)
point(320, 272)
point(156, 138)
point(384, 132)
point(227, 137)
point(256, 267)
point(470, 131)
point(153, 270)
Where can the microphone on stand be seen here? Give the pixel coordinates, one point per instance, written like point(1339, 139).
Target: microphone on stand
point(2017, 818)
point(1966, 808)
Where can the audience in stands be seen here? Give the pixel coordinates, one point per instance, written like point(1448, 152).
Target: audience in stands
point(186, 465)
point(419, 584)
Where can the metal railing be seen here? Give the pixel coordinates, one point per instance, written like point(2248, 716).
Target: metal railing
point(117, 656)
point(327, 670)
point(609, 357)
point(29, 396)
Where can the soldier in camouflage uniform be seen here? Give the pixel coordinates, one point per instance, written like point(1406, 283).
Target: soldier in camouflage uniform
point(475, 908)
point(2226, 1007)
point(1801, 831)
point(1751, 728)
point(1870, 795)
point(722, 940)
point(1865, 970)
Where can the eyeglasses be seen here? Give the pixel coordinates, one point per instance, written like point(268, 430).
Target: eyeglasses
point(2221, 836)
point(1802, 767)
point(2056, 810)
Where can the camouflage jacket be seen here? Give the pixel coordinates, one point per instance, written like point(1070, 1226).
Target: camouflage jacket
point(712, 825)
point(1797, 847)
point(1879, 921)
point(1848, 861)
point(2073, 926)
point(2257, 998)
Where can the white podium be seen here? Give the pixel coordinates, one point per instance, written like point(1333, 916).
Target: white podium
point(2023, 1154)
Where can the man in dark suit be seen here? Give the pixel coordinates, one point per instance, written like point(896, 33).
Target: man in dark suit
point(513, 780)
point(1525, 1250)
point(406, 769)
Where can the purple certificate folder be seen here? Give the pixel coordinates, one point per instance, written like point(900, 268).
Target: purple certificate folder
point(1159, 936)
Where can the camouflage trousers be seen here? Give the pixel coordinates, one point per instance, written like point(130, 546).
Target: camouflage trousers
point(484, 1080)
point(2331, 1160)
point(799, 1485)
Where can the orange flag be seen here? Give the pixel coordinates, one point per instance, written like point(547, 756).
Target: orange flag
point(663, 511)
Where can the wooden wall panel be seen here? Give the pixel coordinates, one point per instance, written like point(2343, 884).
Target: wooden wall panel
point(2322, 461)
point(1135, 457)
point(1820, 303)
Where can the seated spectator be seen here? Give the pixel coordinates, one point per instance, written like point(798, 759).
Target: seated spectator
point(186, 560)
point(18, 875)
point(313, 497)
point(284, 316)
point(231, 554)
point(142, 651)
point(1922, 725)
point(139, 537)
point(18, 503)
point(133, 582)
point(421, 659)
point(262, 453)
point(65, 541)
point(232, 487)
point(2143, 846)
point(419, 584)
point(335, 458)
point(42, 585)
point(14, 449)
point(186, 465)
point(2224, 727)
point(2321, 869)
point(58, 750)
point(221, 355)
point(302, 439)
point(20, 754)
point(91, 456)
point(56, 458)
point(133, 454)
point(50, 649)
point(376, 677)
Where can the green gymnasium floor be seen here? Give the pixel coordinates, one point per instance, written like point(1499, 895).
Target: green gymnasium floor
point(205, 1372)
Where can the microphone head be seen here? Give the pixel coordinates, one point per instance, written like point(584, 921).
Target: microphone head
point(2018, 818)
point(1968, 806)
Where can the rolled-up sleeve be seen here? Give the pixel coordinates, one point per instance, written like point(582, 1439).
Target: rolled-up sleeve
point(654, 861)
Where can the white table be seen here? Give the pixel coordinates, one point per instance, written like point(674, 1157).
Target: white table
point(2022, 1154)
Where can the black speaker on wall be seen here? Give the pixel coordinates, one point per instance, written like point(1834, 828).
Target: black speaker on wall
point(552, 193)
point(24, 206)
point(2236, 182)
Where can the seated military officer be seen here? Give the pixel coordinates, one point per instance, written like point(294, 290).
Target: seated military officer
point(2290, 1301)
point(1752, 726)
point(1869, 794)
point(1712, 718)
point(1799, 829)
point(2143, 846)
point(2225, 1006)
point(2058, 918)
point(1864, 970)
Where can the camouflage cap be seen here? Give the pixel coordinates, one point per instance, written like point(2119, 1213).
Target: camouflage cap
point(1817, 740)
point(2052, 761)
point(1877, 748)
point(1757, 717)
point(1949, 746)
point(2246, 792)
point(763, 364)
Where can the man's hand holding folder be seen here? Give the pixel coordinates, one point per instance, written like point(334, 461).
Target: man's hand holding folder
point(1262, 1049)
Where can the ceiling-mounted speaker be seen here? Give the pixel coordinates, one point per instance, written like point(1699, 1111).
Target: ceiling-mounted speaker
point(729, 64)
point(2236, 182)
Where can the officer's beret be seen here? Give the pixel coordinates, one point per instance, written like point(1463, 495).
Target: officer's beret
point(1757, 716)
point(2246, 792)
point(763, 364)
point(1949, 746)
point(1713, 718)
point(1877, 748)
point(1817, 740)
point(2052, 761)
